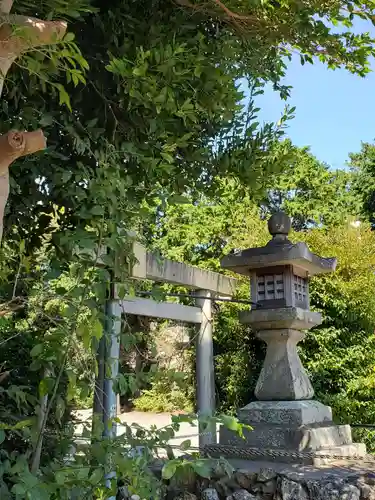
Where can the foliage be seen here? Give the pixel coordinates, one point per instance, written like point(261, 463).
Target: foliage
point(305, 27)
point(88, 469)
point(362, 165)
point(312, 193)
point(339, 354)
point(164, 80)
point(170, 391)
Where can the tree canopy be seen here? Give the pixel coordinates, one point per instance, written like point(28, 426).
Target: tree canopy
point(161, 111)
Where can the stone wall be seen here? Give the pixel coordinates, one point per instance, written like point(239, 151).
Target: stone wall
point(268, 484)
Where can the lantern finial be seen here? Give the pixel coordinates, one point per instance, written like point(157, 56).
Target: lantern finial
point(279, 226)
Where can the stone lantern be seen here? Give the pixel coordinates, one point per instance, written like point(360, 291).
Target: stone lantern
point(285, 417)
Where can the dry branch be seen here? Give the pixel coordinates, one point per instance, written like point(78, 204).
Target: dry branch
point(14, 145)
point(19, 34)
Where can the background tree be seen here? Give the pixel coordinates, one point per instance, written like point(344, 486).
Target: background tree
point(312, 193)
point(363, 168)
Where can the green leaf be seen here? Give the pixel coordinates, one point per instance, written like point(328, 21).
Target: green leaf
point(63, 96)
point(66, 176)
point(97, 210)
point(69, 37)
point(185, 445)
point(43, 387)
point(46, 120)
point(169, 158)
point(178, 199)
point(169, 470)
point(60, 477)
point(84, 332)
point(83, 473)
point(202, 468)
point(19, 490)
point(36, 350)
point(253, 127)
point(230, 423)
point(2, 436)
point(97, 329)
point(96, 476)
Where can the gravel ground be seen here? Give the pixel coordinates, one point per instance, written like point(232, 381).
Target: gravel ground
point(145, 420)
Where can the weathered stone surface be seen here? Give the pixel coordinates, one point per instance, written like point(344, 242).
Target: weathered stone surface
point(185, 495)
point(283, 378)
point(282, 317)
point(350, 492)
point(223, 488)
point(338, 490)
point(269, 488)
point(303, 438)
point(369, 478)
point(367, 491)
point(289, 490)
point(291, 413)
point(243, 495)
point(210, 494)
point(265, 475)
point(315, 490)
point(245, 479)
point(342, 481)
point(345, 450)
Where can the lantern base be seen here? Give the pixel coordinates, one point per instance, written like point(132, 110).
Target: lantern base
point(291, 427)
point(286, 413)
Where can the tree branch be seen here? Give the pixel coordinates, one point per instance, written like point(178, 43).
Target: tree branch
point(21, 33)
point(6, 6)
point(14, 145)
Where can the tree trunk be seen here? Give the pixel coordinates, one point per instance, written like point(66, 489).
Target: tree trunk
point(18, 34)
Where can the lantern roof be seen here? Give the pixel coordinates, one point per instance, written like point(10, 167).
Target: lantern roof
point(279, 251)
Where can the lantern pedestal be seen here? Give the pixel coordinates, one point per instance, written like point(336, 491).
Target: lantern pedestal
point(290, 427)
point(285, 421)
point(283, 378)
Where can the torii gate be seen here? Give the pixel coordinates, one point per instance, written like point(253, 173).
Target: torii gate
point(207, 285)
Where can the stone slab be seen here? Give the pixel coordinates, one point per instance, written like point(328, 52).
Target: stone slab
point(302, 438)
point(290, 413)
point(283, 317)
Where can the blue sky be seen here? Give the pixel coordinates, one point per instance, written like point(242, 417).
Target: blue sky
point(335, 110)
